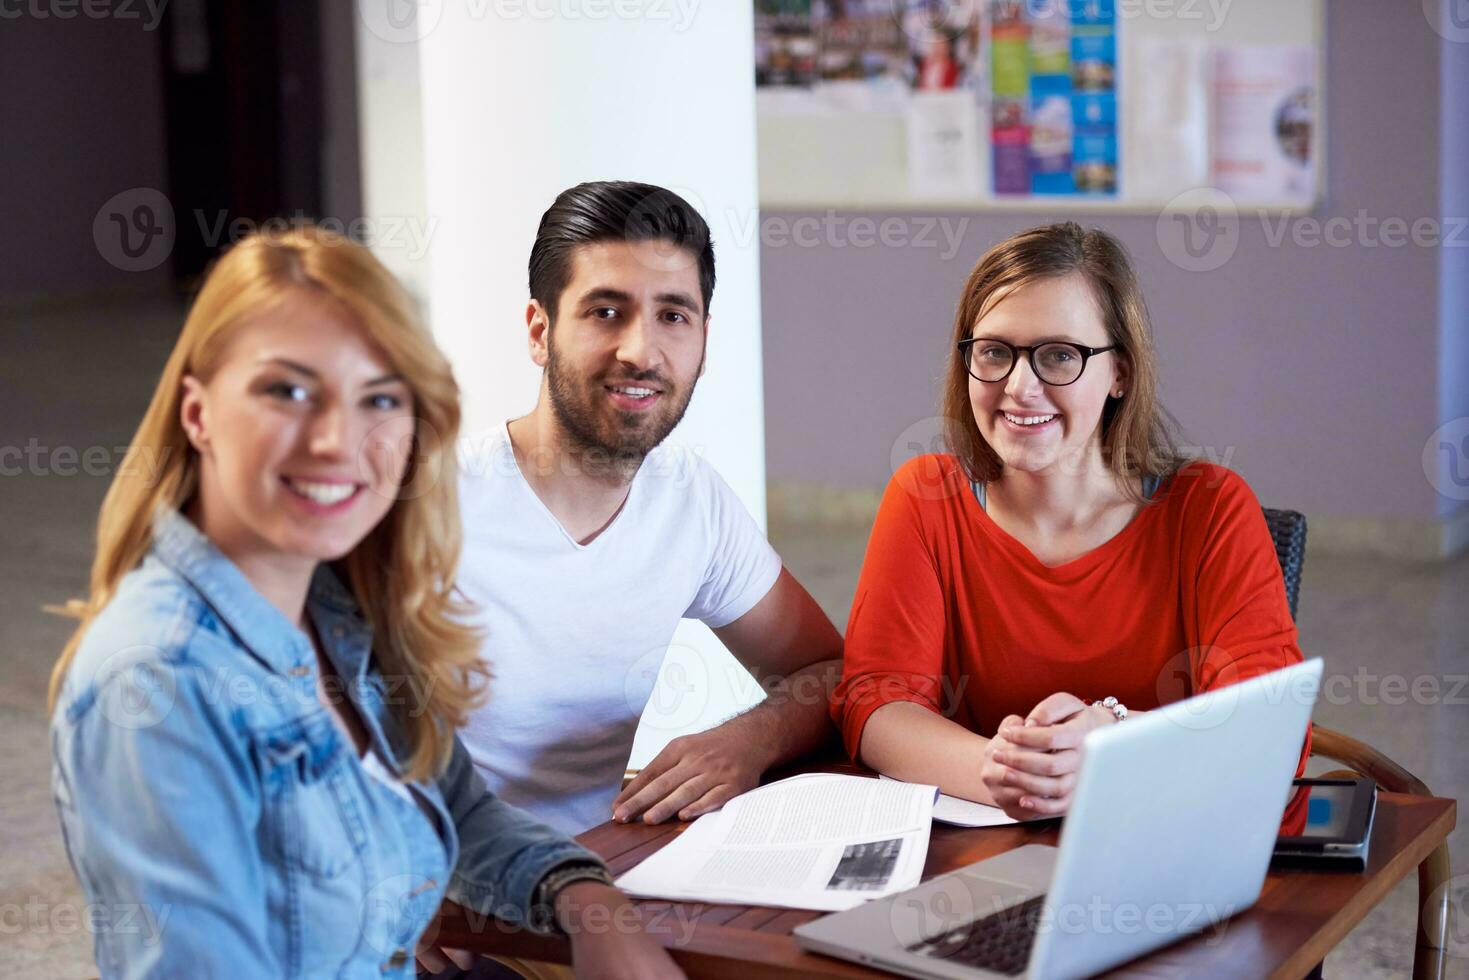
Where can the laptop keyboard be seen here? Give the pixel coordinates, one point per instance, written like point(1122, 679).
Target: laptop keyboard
point(999, 942)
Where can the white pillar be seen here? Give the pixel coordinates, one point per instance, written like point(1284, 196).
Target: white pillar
point(520, 99)
point(390, 130)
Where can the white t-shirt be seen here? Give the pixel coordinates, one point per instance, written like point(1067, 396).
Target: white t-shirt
point(574, 634)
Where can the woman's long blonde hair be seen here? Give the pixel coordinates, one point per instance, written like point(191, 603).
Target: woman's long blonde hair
point(402, 572)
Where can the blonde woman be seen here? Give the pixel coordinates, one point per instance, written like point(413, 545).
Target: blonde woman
point(253, 726)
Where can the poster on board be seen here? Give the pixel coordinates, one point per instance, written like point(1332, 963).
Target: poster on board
point(945, 155)
point(785, 44)
point(945, 44)
point(1263, 116)
point(1053, 80)
point(907, 45)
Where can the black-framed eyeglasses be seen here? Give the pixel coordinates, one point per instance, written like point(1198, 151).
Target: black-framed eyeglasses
point(1057, 363)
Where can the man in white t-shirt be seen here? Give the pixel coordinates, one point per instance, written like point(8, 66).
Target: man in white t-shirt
point(587, 538)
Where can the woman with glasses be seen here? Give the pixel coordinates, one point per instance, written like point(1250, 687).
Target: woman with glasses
point(252, 728)
point(1062, 567)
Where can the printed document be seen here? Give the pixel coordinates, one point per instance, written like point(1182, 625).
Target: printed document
point(815, 841)
point(959, 812)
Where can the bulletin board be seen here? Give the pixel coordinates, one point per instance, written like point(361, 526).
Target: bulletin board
point(1039, 105)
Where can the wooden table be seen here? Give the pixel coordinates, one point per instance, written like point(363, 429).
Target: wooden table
point(1299, 918)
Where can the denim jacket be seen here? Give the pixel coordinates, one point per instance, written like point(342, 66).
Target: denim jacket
point(220, 823)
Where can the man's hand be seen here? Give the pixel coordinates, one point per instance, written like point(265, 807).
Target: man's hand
point(1032, 763)
point(436, 959)
point(608, 940)
point(790, 647)
point(691, 776)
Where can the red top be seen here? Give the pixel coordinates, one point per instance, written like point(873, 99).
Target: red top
point(953, 613)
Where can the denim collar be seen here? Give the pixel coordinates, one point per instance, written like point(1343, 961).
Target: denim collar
point(260, 626)
point(344, 632)
point(345, 635)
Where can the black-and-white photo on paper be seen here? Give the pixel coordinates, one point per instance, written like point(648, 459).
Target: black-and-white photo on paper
point(867, 866)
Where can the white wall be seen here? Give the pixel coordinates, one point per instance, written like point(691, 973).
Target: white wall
point(513, 106)
point(390, 126)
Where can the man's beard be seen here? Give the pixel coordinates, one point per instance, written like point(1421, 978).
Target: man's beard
point(606, 438)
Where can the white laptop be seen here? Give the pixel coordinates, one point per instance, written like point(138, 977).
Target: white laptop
point(1170, 830)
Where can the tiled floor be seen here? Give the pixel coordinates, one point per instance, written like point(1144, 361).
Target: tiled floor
point(81, 379)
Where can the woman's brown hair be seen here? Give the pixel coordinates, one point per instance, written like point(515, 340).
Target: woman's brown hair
point(1136, 439)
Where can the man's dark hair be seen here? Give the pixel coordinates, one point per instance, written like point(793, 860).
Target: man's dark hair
point(615, 211)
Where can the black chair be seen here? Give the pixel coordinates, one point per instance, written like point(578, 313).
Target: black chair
point(1288, 529)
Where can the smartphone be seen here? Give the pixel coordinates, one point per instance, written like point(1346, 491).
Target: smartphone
point(1327, 824)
